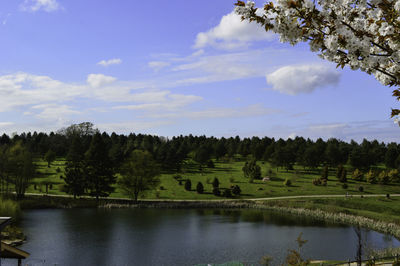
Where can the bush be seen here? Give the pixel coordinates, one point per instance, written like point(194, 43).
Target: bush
point(227, 193)
point(188, 185)
point(200, 188)
point(358, 175)
point(371, 177)
point(317, 182)
point(210, 164)
point(215, 182)
point(177, 177)
point(287, 182)
point(9, 208)
point(394, 175)
point(216, 191)
point(162, 188)
point(383, 178)
point(361, 188)
point(236, 190)
point(345, 186)
point(58, 169)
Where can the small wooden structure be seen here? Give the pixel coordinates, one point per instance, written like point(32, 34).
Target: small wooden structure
point(7, 251)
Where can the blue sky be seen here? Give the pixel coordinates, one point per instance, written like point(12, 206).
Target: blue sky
point(174, 67)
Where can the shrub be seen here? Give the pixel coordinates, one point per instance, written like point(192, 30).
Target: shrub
point(358, 175)
point(361, 188)
point(210, 164)
point(58, 170)
point(236, 190)
point(177, 177)
point(227, 193)
point(317, 182)
point(200, 188)
point(325, 173)
point(162, 188)
point(9, 208)
point(188, 185)
point(216, 191)
point(371, 177)
point(394, 175)
point(383, 178)
point(215, 182)
point(287, 182)
point(345, 186)
point(180, 182)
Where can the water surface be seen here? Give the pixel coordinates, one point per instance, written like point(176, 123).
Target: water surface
point(180, 237)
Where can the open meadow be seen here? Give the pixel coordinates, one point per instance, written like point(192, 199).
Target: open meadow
point(228, 174)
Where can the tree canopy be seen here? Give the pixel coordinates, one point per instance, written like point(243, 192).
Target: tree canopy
point(138, 174)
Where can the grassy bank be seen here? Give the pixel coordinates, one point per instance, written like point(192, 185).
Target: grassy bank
point(9, 208)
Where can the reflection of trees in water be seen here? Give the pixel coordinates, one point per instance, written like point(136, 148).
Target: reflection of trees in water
point(270, 217)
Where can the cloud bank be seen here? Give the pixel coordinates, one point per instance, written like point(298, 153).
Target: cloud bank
point(37, 5)
point(231, 33)
point(296, 79)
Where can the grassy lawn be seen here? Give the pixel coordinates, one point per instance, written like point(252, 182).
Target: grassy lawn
point(228, 174)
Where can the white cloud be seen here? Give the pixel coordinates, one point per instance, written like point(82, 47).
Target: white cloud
point(106, 63)
point(296, 79)
point(132, 126)
point(99, 80)
point(248, 111)
point(54, 112)
point(158, 65)
point(232, 33)
point(36, 5)
point(169, 102)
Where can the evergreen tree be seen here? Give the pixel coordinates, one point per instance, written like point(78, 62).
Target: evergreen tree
point(188, 185)
point(75, 182)
point(215, 183)
point(99, 169)
point(325, 173)
point(251, 170)
point(200, 188)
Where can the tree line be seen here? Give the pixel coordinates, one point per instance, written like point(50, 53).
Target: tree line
point(93, 158)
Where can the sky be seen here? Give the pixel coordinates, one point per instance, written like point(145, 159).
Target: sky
point(175, 67)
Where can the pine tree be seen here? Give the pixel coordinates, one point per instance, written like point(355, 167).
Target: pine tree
point(99, 169)
point(75, 182)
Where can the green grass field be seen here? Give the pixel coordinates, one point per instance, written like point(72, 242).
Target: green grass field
point(228, 174)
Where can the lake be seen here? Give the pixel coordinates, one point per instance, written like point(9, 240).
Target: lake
point(180, 237)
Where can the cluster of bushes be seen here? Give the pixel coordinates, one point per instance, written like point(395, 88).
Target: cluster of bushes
point(234, 190)
point(375, 176)
point(320, 182)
